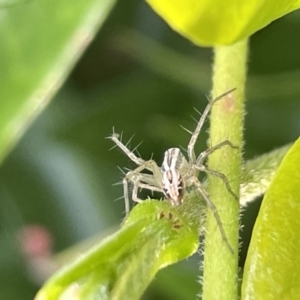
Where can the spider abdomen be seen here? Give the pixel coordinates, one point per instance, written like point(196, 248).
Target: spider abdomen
point(172, 181)
point(173, 186)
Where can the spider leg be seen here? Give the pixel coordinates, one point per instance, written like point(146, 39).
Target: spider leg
point(115, 138)
point(139, 179)
point(213, 209)
point(150, 187)
point(147, 165)
point(220, 175)
point(126, 195)
point(194, 137)
point(201, 157)
point(141, 185)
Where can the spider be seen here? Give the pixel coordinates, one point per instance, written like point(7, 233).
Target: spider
point(176, 173)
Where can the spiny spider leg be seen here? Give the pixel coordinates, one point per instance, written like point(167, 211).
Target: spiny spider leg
point(202, 156)
point(202, 168)
point(145, 181)
point(148, 179)
point(138, 185)
point(147, 165)
point(194, 137)
point(214, 210)
point(115, 138)
point(149, 187)
point(126, 195)
point(135, 176)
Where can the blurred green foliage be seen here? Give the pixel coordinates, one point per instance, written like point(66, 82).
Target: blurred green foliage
point(61, 173)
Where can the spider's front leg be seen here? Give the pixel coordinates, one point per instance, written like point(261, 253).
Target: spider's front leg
point(115, 137)
point(151, 182)
point(194, 180)
point(141, 185)
point(195, 134)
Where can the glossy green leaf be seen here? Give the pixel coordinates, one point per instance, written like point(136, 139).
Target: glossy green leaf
point(272, 269)
point(121, 266)
point(40, 42)
point(217, 22)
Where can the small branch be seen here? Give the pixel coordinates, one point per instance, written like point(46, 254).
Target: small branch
point(220, 265)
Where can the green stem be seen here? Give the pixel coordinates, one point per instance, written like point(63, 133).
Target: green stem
point(220, 279)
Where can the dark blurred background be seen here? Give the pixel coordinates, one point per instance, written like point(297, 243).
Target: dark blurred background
point(56, 186)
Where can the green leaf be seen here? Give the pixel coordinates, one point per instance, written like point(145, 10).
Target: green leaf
point(7, 3)
point(217, 22)
point(40, 42)
point(121, 266)
point(272, 269)
point(257, 173)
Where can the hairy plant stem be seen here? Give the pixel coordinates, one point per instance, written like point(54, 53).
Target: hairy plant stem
point(220, 279)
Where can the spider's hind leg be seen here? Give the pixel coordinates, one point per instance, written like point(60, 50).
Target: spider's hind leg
point(213, 208)
point(224, 179)
point(202, 168)
point(199, 166)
